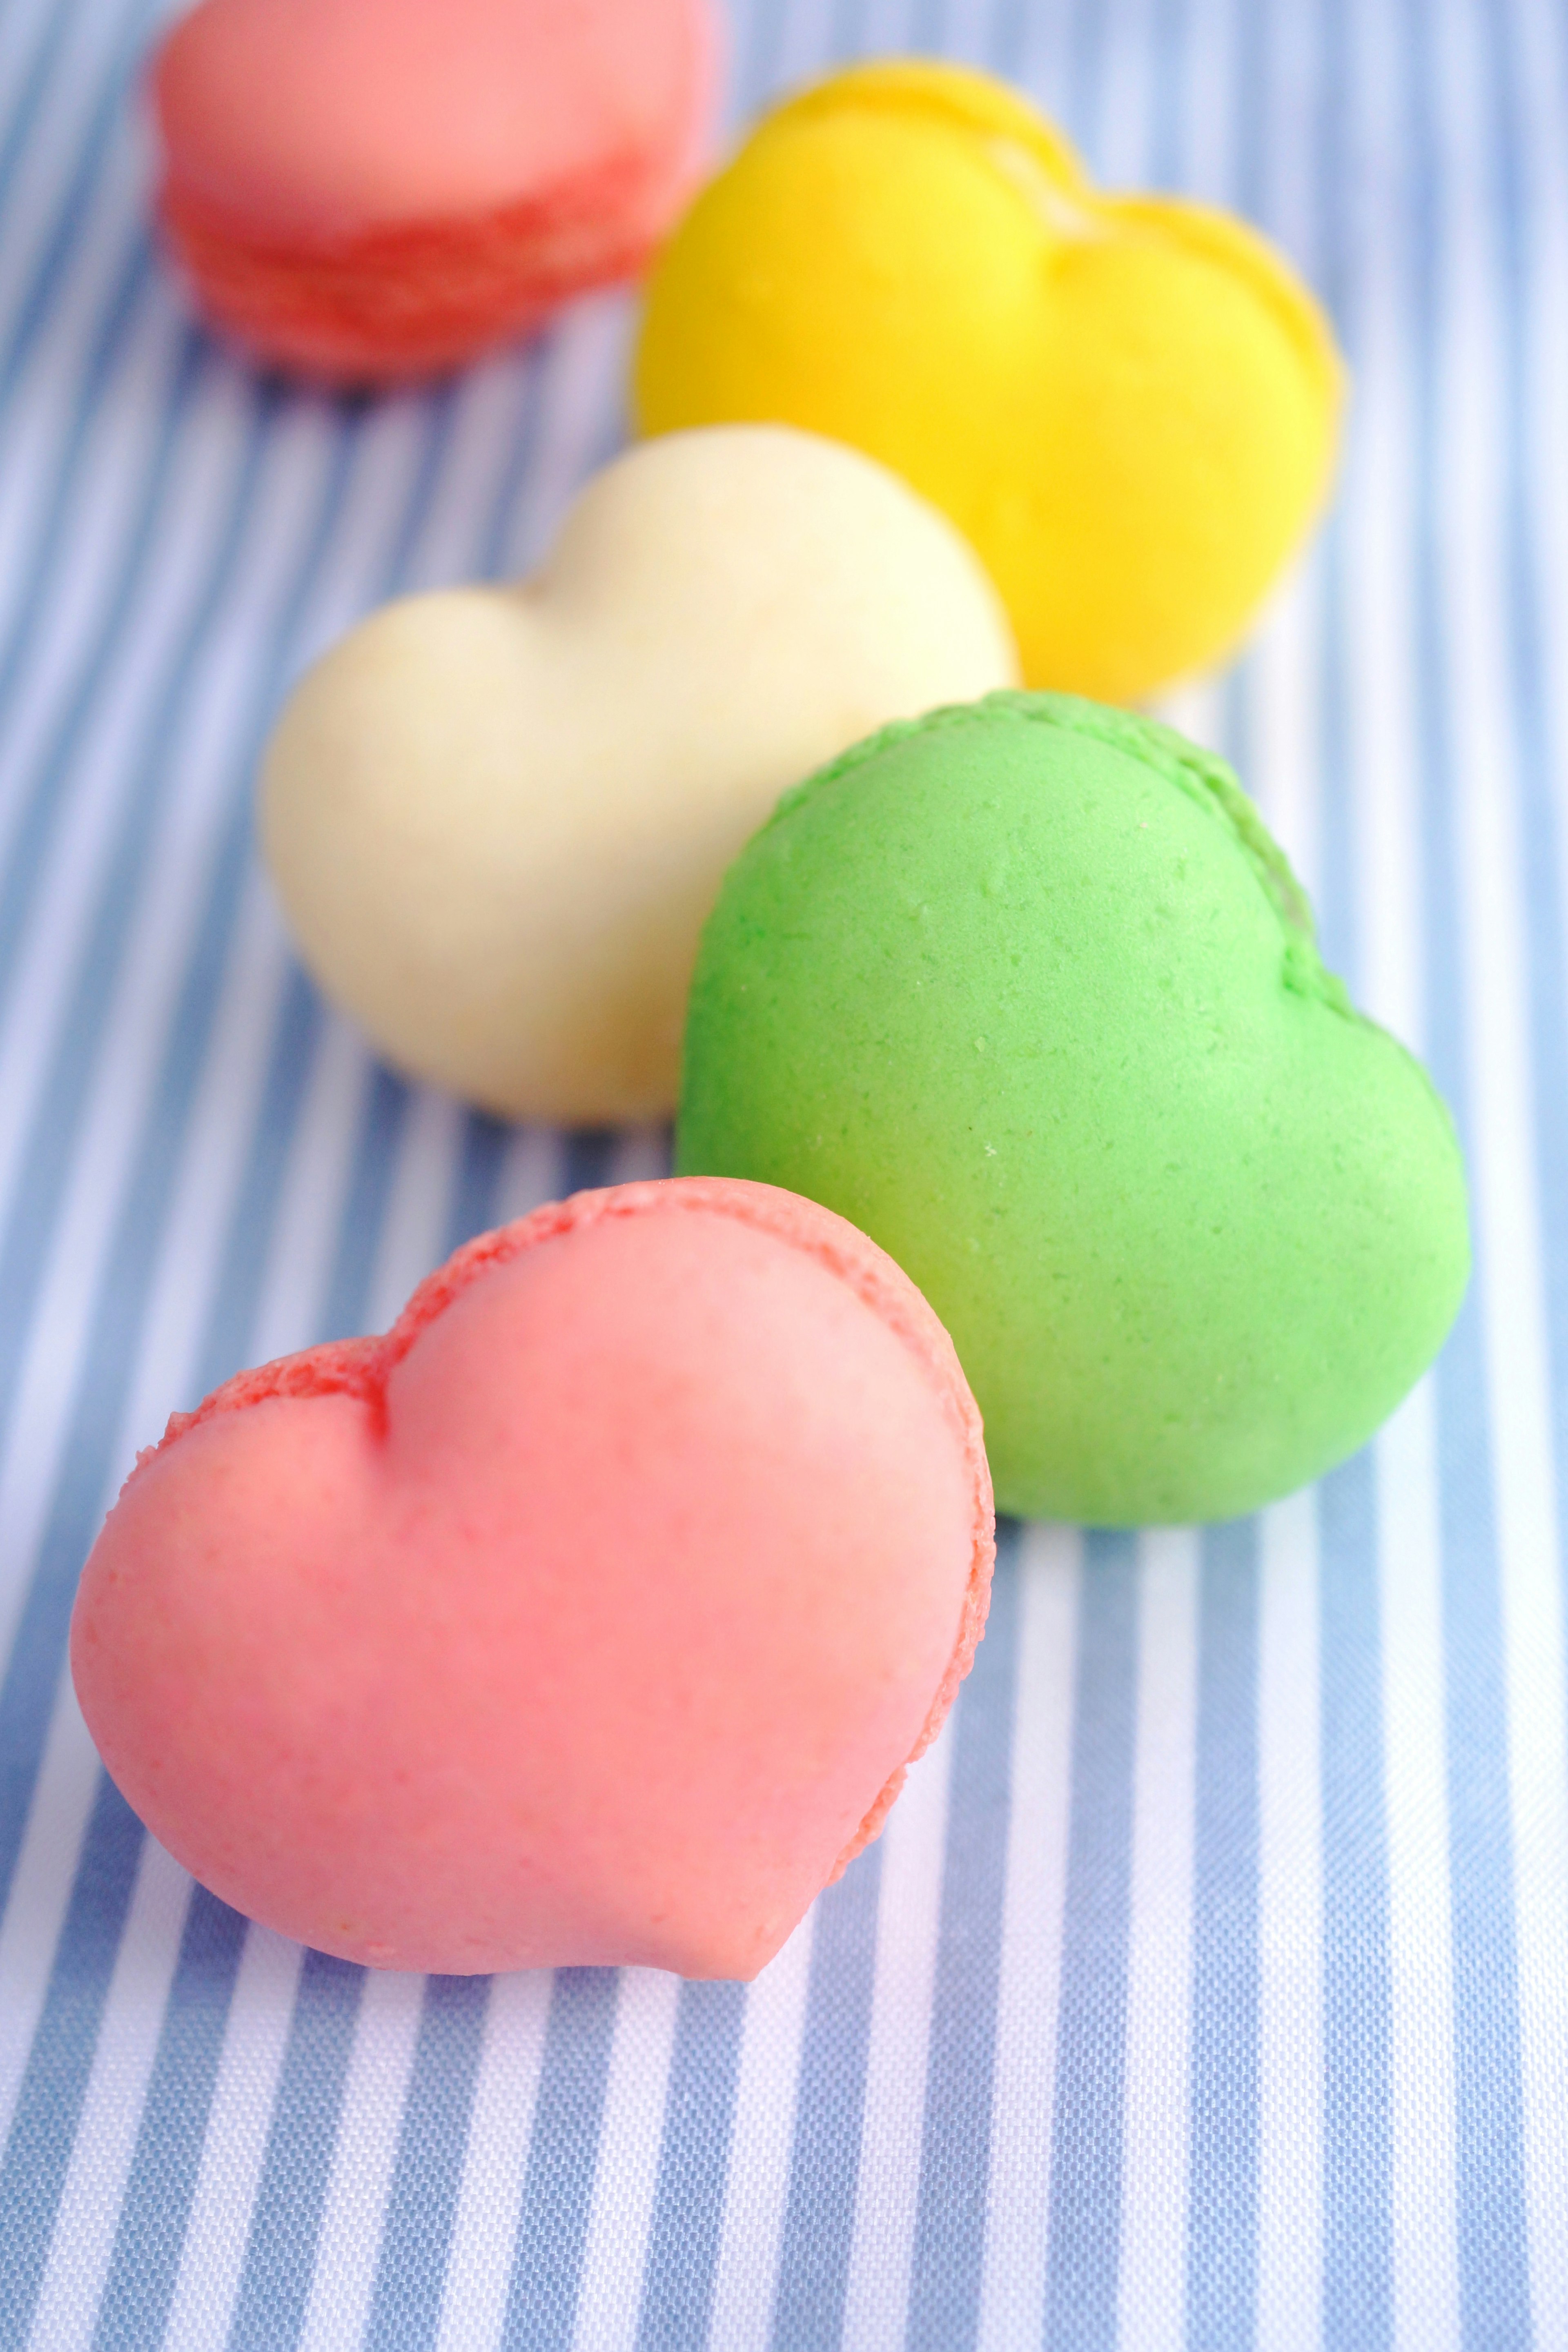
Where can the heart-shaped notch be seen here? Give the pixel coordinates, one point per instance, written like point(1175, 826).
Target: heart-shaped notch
point(497, 818)
point(1127, 404)
point(1028, 992)
point(590, 1616)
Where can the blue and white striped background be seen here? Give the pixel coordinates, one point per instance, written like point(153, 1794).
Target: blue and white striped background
point(1210, 1987)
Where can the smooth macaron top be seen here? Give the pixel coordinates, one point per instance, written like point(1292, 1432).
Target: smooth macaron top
point(329, 118)
point(1027, 991)
point(496, 818)
point(591, 1615)
point(1128, 403)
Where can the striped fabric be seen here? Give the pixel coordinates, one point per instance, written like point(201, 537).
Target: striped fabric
point(1210, 1986)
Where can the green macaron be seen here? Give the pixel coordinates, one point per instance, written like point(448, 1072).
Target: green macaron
point(1025, 989)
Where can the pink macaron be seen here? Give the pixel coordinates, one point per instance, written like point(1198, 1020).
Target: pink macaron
point(592, 1615)
point(369, 190)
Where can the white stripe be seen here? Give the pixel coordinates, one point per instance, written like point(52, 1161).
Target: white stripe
point(63, 1797)
point(27, 24)
point(639, 1155)
point(1013, 2290)
point(414, 1235)
point(484, 2231)
point(1420, 1927)
point(85, 2223)
point(1121, 136)
point(531, 1173)
point(123, 429)
point(387, 2032)
point(40, 1888)
point(492, 399)
point(1289, 1933)
point(580, 403)
point(888, 2183)
point(1152, 2285)
point(255, 2040)
point(304, 1241)
point(1205, 105)
point(1197, 711)
point(207, 1184)
point(69, 885)
point(625, 2166)
point(1511, 1293)
point(1542, 66)
point(757, 2188)
point(1387, 814)
point(1283, 775)
point(48, 166)
point(805, 47)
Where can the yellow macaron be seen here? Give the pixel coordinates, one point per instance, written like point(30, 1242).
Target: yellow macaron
point(1128, 403)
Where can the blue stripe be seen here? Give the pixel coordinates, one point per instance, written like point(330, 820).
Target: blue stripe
point(49, 2106)
point(36, 1660)
point(1078, 106)
point(1493, 2249)
point(1009, 41)
point(98, 144)
point(542, 2300)
point(346, 1311)
point(1084, 2246)
point(1357, 2132)
point(415, 2242)
point(139, 2288)
point(587, 1159)
point(1221, 2241)
point(825, 2153)
point(32, 93)
point(955, 2154)
point(292, 2193)
point(27, 1693)
point(46, 806)
point(226, 1342)
point(49, 1603)
point(682, 2263)
point(34, 1210)
point(274, 2285)
point(1168, 33)
point(155, 2212)
point(51, 551)
point(1538, 760)
point(495, 559)
point(477, 1182)
point(1358, 2129)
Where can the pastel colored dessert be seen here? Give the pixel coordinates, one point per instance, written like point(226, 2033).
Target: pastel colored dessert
point(1128, 403)
point(1028, 992)
point(497, 818)
point(592, 1615)
point(368, 192)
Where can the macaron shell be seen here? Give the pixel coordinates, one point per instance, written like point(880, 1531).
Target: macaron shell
point(1026, 990)
point(368, 193)
point(1128, 404)
point(496, 819)
point(590, 1617)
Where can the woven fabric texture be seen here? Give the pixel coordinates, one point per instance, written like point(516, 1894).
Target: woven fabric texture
point(1209, 1987)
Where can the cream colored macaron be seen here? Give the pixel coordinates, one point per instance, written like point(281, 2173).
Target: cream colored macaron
point(498, 817)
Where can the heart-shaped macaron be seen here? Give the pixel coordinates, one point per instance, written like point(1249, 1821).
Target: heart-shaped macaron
point(1028, 992)
point(497, 818)
point(1128, 403)
point(366, 192)
point(590, 1616)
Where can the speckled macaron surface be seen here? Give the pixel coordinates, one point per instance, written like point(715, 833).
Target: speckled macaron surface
point(1025, 989)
